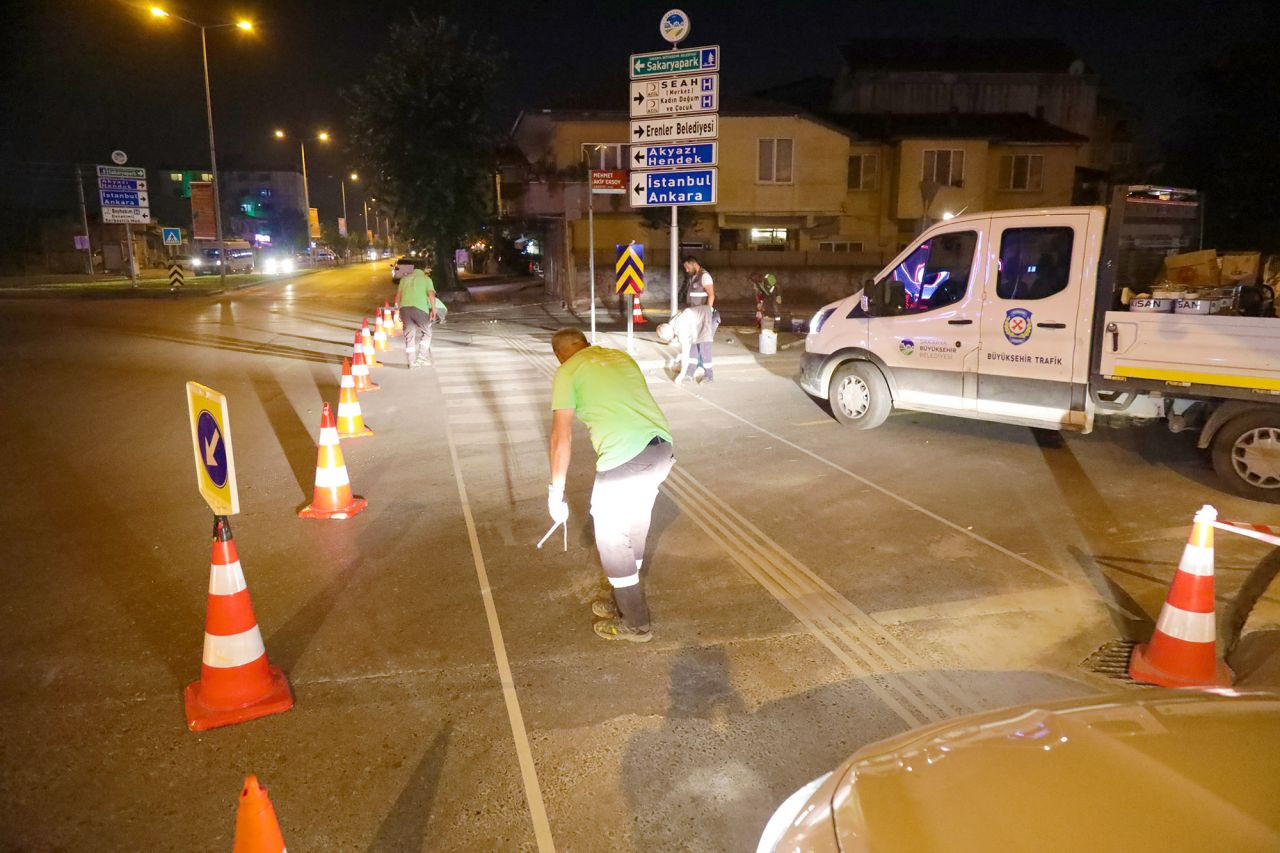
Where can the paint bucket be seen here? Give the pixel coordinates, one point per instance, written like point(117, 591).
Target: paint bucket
point(768, 342)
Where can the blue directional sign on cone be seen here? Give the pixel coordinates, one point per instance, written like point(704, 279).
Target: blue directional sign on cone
point(213, 447)
point(678, 186)
point(630, 268)
point(211, 441)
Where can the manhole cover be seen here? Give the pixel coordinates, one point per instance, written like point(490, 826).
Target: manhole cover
point(1112, 660)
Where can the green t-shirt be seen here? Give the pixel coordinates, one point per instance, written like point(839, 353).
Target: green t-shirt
point(609, 393)
point(414, 289)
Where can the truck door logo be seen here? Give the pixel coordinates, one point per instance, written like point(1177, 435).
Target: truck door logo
point(1017, 326)
point(907, 346)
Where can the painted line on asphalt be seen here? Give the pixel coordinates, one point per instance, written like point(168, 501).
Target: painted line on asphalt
point(524, 753)
point(910, 686)
point(915, 507)
point(906, 684)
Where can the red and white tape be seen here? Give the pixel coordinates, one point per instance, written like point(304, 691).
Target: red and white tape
point(1261, 532)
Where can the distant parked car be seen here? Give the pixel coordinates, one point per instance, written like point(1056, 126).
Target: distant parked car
point(405, 266)
point(325, 256)
point(1143, 770)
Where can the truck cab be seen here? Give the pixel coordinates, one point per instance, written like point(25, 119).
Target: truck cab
point(984, 316)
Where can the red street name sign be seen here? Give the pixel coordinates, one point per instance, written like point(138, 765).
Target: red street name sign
point(608, 182)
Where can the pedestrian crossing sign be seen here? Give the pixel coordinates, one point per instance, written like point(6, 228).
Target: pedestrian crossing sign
point(630, 268)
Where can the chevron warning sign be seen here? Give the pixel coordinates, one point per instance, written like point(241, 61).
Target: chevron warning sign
point(176, 278)
point(630, 268)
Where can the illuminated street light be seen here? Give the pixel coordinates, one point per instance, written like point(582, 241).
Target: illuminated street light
point(157, 12)
point(323, 136)
point(354, 177)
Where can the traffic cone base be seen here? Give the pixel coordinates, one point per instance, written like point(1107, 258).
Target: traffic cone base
point(1183, 651)
point(202, 716)
point(356, 506)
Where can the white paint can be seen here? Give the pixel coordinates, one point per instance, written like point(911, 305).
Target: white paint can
point(768, 342)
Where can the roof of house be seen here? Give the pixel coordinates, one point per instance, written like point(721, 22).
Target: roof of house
point(1000, 127)
point(1042, 56)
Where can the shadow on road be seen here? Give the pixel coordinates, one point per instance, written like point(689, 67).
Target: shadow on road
point(405, 826)
point(293, 436)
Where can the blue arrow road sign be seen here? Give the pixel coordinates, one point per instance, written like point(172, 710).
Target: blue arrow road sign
point(130, 184)
point(666, 156)
point(123, 198)
point(679, 186)
point(213, 449)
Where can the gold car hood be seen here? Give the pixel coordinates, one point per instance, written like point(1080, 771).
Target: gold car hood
point(1156, 770)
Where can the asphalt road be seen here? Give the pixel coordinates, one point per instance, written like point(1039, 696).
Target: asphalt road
point(814, 589)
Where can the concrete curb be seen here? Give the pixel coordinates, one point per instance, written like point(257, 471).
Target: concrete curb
point(87, 292)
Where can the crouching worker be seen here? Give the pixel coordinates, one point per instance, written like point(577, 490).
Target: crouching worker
point(693, 330)
point(634, 454)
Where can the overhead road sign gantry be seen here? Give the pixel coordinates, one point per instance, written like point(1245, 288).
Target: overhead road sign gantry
point(211, 441)
point(669, 156)
point(665, 63)
point(667, 96)
point(692, 128)
point(678, 186)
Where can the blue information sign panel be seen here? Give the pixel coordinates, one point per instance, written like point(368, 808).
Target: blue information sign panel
point(667, 156)
point(678, 186)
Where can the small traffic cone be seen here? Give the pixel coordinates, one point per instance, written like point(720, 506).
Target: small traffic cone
point(360, 370)
point(236, 681)
point(257, 830)
point(366, 341)
point(332, 497)
point(350, 418)
point(389, 321)
point(395, 318)
point(1183, 651)
point(380, 332)
point(637, 316)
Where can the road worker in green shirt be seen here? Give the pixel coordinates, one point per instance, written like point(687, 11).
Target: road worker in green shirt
point(419, 309)
point(607, 391)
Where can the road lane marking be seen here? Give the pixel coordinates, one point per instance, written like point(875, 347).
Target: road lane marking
point(524, 754)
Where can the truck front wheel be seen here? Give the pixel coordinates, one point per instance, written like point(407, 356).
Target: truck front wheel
point(1246, 455)
point(859, 395)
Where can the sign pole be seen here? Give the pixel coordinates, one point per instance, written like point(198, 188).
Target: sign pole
point(128, 247)
point(675, 250)
point(591, 253)
point(84, 220)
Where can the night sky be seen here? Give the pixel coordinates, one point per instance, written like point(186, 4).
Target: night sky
point(85, 76)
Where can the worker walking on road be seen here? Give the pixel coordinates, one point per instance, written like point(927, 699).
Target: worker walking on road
point(634, 454)
point(419, 309)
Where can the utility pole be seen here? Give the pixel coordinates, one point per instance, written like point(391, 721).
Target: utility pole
point(675, 248)
point(84, 221)
point(213, 168)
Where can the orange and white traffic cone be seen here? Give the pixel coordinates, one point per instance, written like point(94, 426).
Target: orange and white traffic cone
point(637, 316)
point(380, 332)
point(332, 498)
point(1183, 651)
point(257, 830)
point(366, 341)
point(350, 418)
point(360, 370)
point(236, 681)
point(395, 319)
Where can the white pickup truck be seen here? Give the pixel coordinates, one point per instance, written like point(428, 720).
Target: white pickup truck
point(1015, 316)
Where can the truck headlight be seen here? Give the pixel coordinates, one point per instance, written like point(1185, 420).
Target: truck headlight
point(195, 262)
point(286, 265)
point(792, 808)
point(271, 266)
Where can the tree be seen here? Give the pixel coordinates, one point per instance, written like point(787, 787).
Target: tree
point(418, 127)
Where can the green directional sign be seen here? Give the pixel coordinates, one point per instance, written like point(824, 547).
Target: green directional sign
point(665, 62)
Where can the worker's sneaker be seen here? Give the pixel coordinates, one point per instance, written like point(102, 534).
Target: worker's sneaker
point(615, 629)
point(606, 608)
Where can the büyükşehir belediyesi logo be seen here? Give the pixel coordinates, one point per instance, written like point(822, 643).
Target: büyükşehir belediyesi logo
point(674, 26)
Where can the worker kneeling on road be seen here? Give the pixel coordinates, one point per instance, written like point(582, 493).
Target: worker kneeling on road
point(634, 455)
point(419, 309)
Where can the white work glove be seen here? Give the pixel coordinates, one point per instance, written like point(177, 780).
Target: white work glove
point(556, 506)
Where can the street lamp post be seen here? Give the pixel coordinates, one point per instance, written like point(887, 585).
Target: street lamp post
point(323, 136)
point(157, 12)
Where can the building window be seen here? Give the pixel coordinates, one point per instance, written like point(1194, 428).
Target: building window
point(1021, 172)
point(1035, 263)
point(839, 246)
point(863, 171)
point(769, 239)
point(774, 166)
point(175, 176)
point(607, 156)
point(944, 166)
